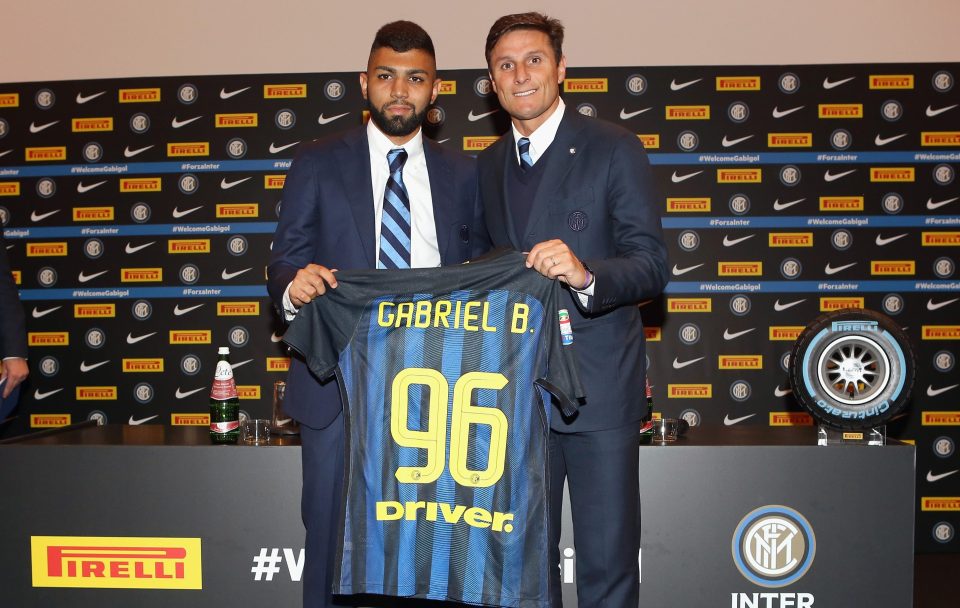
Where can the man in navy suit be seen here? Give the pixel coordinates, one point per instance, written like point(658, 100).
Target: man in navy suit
point(579, 196)
point(13, 337)
point(339, 212)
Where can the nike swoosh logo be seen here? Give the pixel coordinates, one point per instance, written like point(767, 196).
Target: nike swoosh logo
point(728, 242)
point(178, 214)
point(236, 365)
point(881, 241)
point(276, 337)
point(83, 277)
point(781, 392)
point(225, 185)
point(777, 306)
point(931, 477)
point(133, 249)
point(882, 141)
point(677, 86)
point(176, 123)
point(37, 314)
point(732, 142)
point(677, 364)
point(829, 176)
point(832, 84)
point(931, 112)
point(284, 421)
point(931, 305)
point(229, 275)
point(182, 311)
point(86, 368)
point(181, 395)
point(134, 340)
point(82, 99)
point(682, 178)
point(134, 421)
point(778, 113)
point(128, 153)
point(38, 395)
point(328, 120)
point(475, 117)
point(36, 217)
point(624, 115)
point(830, 269)
point(732, 336)
point(34, 128)
point(933, 392)
point(936, 205)
point(81, 188)
point(274, 148)
point(728, 421)
point(677, 271)
point(4, 153)
point(225, 95)
point(778, 206)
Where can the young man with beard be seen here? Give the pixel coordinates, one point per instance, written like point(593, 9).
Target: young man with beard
point(378, 196)
point(578, 194)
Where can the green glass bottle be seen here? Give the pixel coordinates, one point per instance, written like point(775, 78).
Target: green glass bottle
point(224, 402)
point(646, 428)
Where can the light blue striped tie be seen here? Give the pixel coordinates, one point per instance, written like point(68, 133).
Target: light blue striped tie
point(395, 221)
point(523, 146)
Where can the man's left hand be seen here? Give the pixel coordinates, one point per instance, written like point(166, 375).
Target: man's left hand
point(15, 371)
point(555, 260)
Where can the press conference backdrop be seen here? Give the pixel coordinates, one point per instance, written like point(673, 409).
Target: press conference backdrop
point(139, 214)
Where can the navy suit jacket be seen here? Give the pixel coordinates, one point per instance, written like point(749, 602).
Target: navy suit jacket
point(327, 218)
point(13, 328)
point(598, 196)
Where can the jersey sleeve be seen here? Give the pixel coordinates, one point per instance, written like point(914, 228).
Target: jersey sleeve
point(562, 377)
point(319, 332)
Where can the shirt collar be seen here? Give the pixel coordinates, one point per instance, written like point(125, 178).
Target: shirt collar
point(380, 145)
point(544, 135)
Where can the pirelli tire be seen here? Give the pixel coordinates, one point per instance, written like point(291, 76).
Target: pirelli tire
point(852, 369)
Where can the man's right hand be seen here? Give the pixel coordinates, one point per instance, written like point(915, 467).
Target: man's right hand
point(311, 281)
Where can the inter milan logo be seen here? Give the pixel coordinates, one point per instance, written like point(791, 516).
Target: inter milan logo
point(578, 221)
point(4, 128)
point(785, 362)
point(892, 203)
point(739, 204)
point(943, 447)
point(95, 338)
point(46, 188)
point(141, 310)
point(943, 532)
point(92, 152)
point(99, 416)
point(188, 183)
point(236, 148)
point(944, 361)
point(45, 99)
point(740, 390)
point(841, 139)
point(436, 116)
point(688, 240)
point(841, 239)
point(143, 393)
point(738, 112)
point(773, 546)
point(285, 119)
point(189, 274)
point(944, 268)
point(334, 90)
point(187, 94)
point(788, 83)
point(4, 216)
point(237, 245)
point(893, 304)
point(482, 86)
point(790, 268)
point(93, 248)
point(790, 175)
point(942, 81)
point(49, 366)
point(636, 84)
point(740, 305)
point(139, 123)
point(587, 109)
point(140, 213)
point(688, 141)
point(891, 110)
point(943, 174)
point(692, 417)
point(689, 334)
point(47, 277)
point(190, 364)
point(238, 336)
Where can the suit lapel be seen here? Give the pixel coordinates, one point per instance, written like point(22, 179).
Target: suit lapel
point(442, 188)
point(353, 160)
point(561, 159)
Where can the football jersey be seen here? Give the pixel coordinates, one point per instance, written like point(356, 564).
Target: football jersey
point(447, 376)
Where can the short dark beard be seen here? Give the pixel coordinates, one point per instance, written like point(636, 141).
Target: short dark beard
point(397, 126)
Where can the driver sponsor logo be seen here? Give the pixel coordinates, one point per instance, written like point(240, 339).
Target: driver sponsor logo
point(141, 275)
point(941, 332)
point(284, 91)
point(190, 419)
point(93, 214)
point(688, 205)
point(788, 333)
point(238, 210)
point(9, 188)
point(687, 112)
point(138, 95)
point(190, 336)
point(585, 85)
point(40, 421)
point(448, 87)
point(739, 176)
point(46, 250)
point(91, 125)
point(9, 100)
point(476, 143)
point(790, 419)
point(248, 392)
point(740, 362)
point(891, 81)
point(940, 503)
point(739, 269)
point(94, 311)
point(142, 365)
point(893, 267)
point(650, 141)
point(689, 304)
point(892, 174)
point(789, 140)
point(790, 239)
point(738, 83)
point(831, 304)
point(940, 138)
point(840, 110)
point(653, 334)
point(48, 338)
point(96, 393)
point(177, 246)
point(45, 153)
point(689, 391)
point(141, 184)
point(241, 119)
point(278, 364)
point(103, 562)
point(774, 546)
point(841, 203)
point(190, 148)
point(940, 239)
point(274, 182)
point(238, 309)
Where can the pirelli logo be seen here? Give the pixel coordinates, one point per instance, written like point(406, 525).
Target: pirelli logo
point(831, 304)
point(238, 210)
point(940, 239)
point(940, 503)
point(891, 81)
point(101, 562)
point(653, 334)
point(687, 112)
point(789, 140)
point(892, 174)
point(141, 275)
point(940, 332)
point(740, 269)
point(238, 309)
point(585, 85)
point(278, 364)
point(940, 419)
point(790, 239)
point(188, 246)
point(740, 362)
point(9, 188)
point(785, 333)
point(841, 203)
point(190, 336)
point(96, 393)
point(688, 205)
point(91, 125)
point(274, 182)
point(141, 184)
point(46, 250)
point(9, 100)
point(893, 267)
point(738, 83)
point(739, 176)
point(93, 214)
point(790, 419)
point(17, 277)
point(690, 304)
point(448, 87)
point(246, 119)
point(840, 110)
point(191, 148)
point(45, 153)
point(650, 141)
point(689, 391)
point(48, 338)
point(940, 138)
point(190, 419)
point(248, 392)
point(138, 95)
point(46, 421)
point(142, 365)
point(851, 436)
point(475, 143)
point(94, 311)
point(284, 91)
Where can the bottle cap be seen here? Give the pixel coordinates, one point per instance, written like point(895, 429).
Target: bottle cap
point(223, 350)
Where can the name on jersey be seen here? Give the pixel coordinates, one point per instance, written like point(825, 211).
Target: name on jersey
point(456, 314)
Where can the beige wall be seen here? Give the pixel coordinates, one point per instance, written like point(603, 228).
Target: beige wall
point(70, 39)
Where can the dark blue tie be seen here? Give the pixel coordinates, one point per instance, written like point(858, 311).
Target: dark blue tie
point(523, 146)
point(395, 221)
